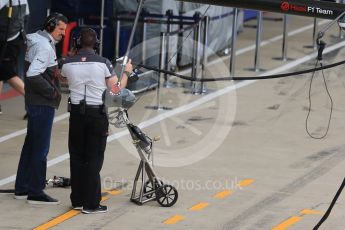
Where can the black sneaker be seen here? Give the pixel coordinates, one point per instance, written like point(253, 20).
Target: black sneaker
point(0, 110)
point(100, 209)
point(43, 199)
point(20, 195)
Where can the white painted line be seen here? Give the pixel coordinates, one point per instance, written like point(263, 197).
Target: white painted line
point(23, 131)
point(165, 134)
point(238, 52)
point(12, 135)
point(195, 103)
point(8, 180)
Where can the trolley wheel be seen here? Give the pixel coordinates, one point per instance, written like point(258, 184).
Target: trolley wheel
point(166, 195)
point(149, 188)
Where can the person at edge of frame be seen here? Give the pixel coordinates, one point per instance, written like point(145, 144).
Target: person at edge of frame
point(13, 17)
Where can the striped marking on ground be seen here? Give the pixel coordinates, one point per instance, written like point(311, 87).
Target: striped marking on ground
point(174, 219)
point(199, 206)
point(311, 212)
point(114, 192)
point(72, 213)
point(223, 194)
point(58, 220)
point(245, 182)
point(287, 223)
point(294, 219)
point(220, 195)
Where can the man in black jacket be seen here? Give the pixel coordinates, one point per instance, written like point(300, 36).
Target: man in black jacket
point(42, 97)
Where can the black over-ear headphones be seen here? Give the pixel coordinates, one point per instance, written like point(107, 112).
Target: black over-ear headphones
point(78, 40)
point(52, 21)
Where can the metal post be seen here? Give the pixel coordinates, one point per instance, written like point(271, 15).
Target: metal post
point(196, 89)
point(204, 54)
point(195, 45)
point(233, 43)
point(102, 28)
point(258, 42)
point(167, 45)
point(108, 93)
point(195, 53)
point(117, 41)
point(161, 66)
point(130, 41)
point(144, 55)
point(285, 35)
point(314, 34)
point(180, 35)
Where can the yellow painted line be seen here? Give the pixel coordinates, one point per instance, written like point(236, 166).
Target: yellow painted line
point(311, 212)
point(62, 218)
point(174, 219)
point(199, 206)
point(58, 220)
point(287, 223)
point(223, 194)
point(104, 198)
point(114, 192)
point(245, 183)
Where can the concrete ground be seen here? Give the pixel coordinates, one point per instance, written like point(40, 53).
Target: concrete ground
point(239, 156)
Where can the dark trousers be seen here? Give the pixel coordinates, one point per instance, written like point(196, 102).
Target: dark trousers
point(32, 168)
point(8, 66)
point(87, 141)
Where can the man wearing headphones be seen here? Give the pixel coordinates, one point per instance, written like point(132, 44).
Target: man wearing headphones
point(88, 75)
point(42, 97)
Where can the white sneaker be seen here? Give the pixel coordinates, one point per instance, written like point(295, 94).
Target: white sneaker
point(20, 196)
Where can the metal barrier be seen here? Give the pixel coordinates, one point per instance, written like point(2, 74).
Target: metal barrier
point(195, 53)
point(233, 43)
point(197, 62)
point(314, 34)
point(258, 42)
point(148, 18)
point(162, 55)
point(204, 63)
point(169, 14)
point(199, 27)
point(285, 35)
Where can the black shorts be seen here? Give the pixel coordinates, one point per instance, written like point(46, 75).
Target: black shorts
point(8, 66)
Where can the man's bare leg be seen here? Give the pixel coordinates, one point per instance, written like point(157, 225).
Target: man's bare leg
point(17, 84)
